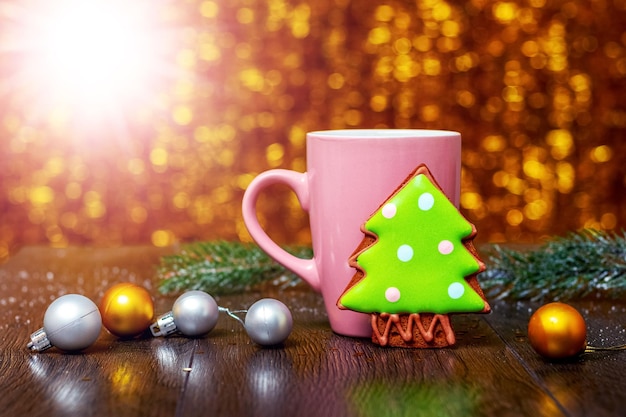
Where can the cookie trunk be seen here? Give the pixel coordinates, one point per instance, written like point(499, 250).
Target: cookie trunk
point(424, 330)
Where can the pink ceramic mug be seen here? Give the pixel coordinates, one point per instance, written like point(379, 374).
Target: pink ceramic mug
point(349, 174)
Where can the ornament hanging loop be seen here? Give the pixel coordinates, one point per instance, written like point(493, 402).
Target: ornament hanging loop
point(591, 349)
point(233, 314)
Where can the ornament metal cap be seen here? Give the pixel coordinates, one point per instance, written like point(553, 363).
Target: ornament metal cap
point(164, 325)
point(39, 341)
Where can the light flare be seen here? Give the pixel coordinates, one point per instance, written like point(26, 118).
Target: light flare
point(85, 55)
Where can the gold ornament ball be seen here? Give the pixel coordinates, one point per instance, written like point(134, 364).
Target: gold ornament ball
point(127, 310)
point(557, 331)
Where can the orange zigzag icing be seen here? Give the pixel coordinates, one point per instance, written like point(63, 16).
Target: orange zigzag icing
point(407, 334)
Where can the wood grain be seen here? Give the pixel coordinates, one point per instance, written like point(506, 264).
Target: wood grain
point(590, 385)
point(491, 371)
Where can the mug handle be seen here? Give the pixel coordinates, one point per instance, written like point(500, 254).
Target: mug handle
point(305, 268)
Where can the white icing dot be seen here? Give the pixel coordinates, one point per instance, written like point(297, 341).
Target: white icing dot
point(392, 294)
point(445, 247)
point(389, 210)
point(456, 290)
point(426, 201)
point(405, 253)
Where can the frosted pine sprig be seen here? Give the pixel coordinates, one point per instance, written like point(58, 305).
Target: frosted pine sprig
point(581, 264)
point(221, 267)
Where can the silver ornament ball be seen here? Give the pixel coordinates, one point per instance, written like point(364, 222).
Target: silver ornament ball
point(72, 322)
point(268, 322)
point(195, 313)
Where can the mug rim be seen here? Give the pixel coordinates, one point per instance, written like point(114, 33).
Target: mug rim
point(383, 133)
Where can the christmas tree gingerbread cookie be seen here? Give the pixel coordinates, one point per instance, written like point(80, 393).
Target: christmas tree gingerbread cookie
point(416, 265)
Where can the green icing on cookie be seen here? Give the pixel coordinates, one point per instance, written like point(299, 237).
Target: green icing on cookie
point(419, 263)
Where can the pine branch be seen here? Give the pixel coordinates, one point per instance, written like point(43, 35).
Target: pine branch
point(582, 264)
point(222, 267)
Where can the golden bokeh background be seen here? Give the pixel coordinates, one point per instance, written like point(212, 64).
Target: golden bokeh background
point(536, 87)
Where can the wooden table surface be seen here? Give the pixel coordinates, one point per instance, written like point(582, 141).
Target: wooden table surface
point(491, 372)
